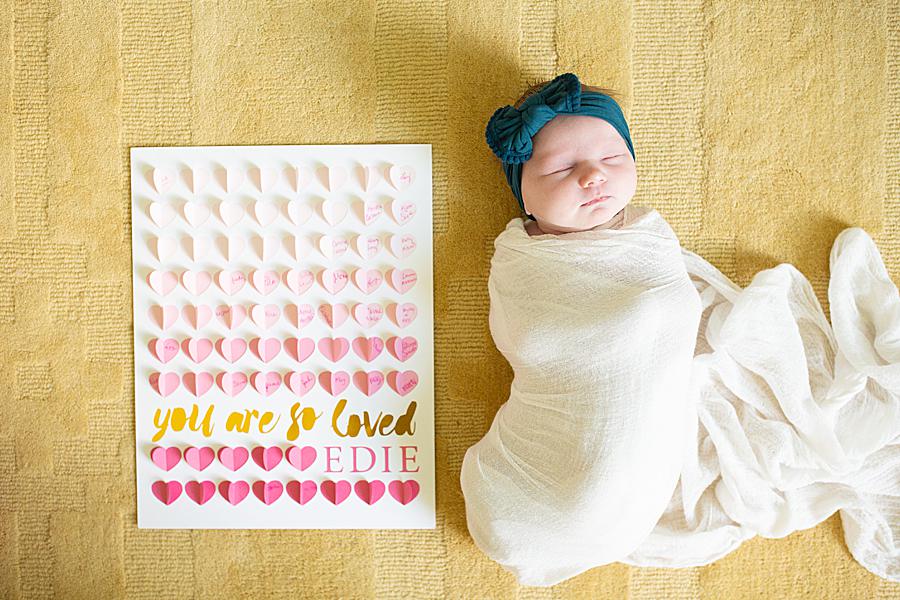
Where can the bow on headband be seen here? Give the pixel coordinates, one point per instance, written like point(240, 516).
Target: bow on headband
point(510, 130)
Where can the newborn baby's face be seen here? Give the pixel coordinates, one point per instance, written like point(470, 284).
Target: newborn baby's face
point(576, 158)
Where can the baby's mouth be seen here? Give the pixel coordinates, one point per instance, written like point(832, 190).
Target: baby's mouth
point(596, 200)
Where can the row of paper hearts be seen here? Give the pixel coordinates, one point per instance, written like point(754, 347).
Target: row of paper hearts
point(301, 492)
point(265, 349)
point(266, 179)
point(298, 382)
point(298, 281)
point(266, 315)
point(332, 212)
point(267, 247)
point(233, 457)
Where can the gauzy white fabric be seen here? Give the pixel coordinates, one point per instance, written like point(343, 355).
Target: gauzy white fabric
point(660, 415)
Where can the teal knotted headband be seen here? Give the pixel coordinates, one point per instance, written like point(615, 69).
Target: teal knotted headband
point(509, 130)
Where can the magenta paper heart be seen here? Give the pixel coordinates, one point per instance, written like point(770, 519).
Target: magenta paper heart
point(333, 280)
point(231, 349)
point(197, 383)
point(164, 383)
point(368, 314)
point(231, 281)
point(301, 492)
point(165, 458)
point(368, 382)
point(166, 492)
point(369, 492)
point(197, 349)
point(199, 458)
point(334, 383)
point(265, 349)
point(402, 245)
point(402, 348)
point(368, 349)
point(264, 281)
point(334, 314)
point(267, 491)
point(265, 315)
point(231, 383)
point(367, 280)
point(299, 383)
point(265, 383)
point(162, 282)
point(300, 315)
point(163, 316)
point(299, 349)
point(200, 491)
point(298, 281)
point(196, 282)
point(231, 316)
point(334, 349)
point(301, 457)
point(335, 492)
point(163, 350)
point(404, 492)
point(267, 458)
point(234, 491)
point(403, 280)
point(403, 314)
point(402, 383)
point(233, 458)
point(196, 316)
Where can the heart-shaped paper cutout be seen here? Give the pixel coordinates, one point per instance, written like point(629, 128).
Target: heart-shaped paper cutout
point(404, 492)
point(333, 280)
point(266, 383)
point(301, 457)
point(265, 281)
point(334, 349)
point(331, 246)
point(402, 280)
point(234, 491)
point(372, 209)
point(369, 492)
point(334, 314)
point(368, 315)
point(267, 246)
point(268, 179)
point(333, 212)
point(300, 244)
point(163, 179)
point(369, 177)
point(334, 383)
point(267, 457)
point(299, 212)
point(164, 383)
point(230, 212)
point(162, 282)
point(231, 383)
point(298, 176)
point(402, 176)
point(197, 349)
point(299, 349)
point(265, 212)
point(403, 314)
point(231, 282)
point(368, 349)
point(368, 382)
point(267, 491)
point(200, 491)
point(196, 247)
point(300, 383)
point(196, 282)
point(335, 492)
point(402, 348)
point(163, 248)
point(403, 210)
point(231, 349)
point(337, 176)
point(196, 316)
point(232, 246)
point(166, 492)
point(402, 383)
point(367, 246)
point(163, 350)
point(300, 315)
point(367, 280)
point(196, 179)
point(234, 179)
point(232, 315)
point(165, 458)
point(301, 492)
point(402, 245)
point(161, 213)
point(265, 315)
point(298, 281)
point(163, 316)
point(197, 383)
point(199, 458)
point(233, 458)
point(195, 213)
point(265, 349)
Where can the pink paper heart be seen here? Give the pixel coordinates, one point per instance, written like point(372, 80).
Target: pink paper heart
point(166, 492)
point(197, 383)
point(164, 350)
point(301, 492)
point(333, 280)
point(403, 280)
point(403, 314)
point(199, 458)
point(404, 492)
point(402, 348)
point(265, 315)
point(231, 383)
point(367, 246)
point(368, 349)
point(163, 316)
point(300, 315)
point(334, 349)
point(164, 383)
point(267, 457)
point(372, 209)
point(265, 349)
point(234, 491)
point(197, 349)
point(267, 491)
point(334, 383)
point(298, 281)
point(231, 281)
point(265, 383)
point(402, 383)
point(299, 349)
point(233, 458)
point(335, 492)
point(231, 316)
point(368, 315)
point(369, 492)
point(196, 316)
point(165, 458)
point(402, 245)
point(231, 349)
point(401, 176)
point(301, 457)
point(300, 382)
point(196, 282)
point(331, 246)
point(403, 210)
point(265, 281)
point(162, 282)
point(368, 382)
point(333, 212)
point(367, 280)
point(200, 491)
point(334, 314)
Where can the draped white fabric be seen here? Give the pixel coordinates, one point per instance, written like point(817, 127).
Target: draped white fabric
point(660, 415)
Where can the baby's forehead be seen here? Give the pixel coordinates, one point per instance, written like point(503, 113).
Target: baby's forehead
point(566, 134)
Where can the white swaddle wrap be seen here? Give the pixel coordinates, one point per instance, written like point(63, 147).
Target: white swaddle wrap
point(660, 415)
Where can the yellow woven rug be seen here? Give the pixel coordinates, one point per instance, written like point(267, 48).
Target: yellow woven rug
point(760, 129)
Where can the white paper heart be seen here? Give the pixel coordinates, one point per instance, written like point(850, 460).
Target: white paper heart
point(402, 176)
point(369, 177)
point(331, 246)
point(234, 179)
point(367, 246)
point(164, 247)
point(196, 178)
point(161, 213)
point(196, 247)
point(298, 212)
point(337, 176)
point(267, 246)
point(230, 212)
point(195, 213)
point(301, 245)
point(372, 209)
point(333, 212)
point(266, 212)
point(233, 247)
point(268, 179)
point(402, 210)
point(402, 245)
point(298, 176)
point(163, 179)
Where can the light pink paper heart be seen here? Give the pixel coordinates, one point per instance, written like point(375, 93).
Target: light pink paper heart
point(162, 282)
point(163, 316)
point(265, 349)
point(166, 492)
point(403, 210)
point(266, 383)
point(301, 457)
point(402, 176)
point(230, 212)
point(231, 349)
point(233, 458)
point(368, 315)
point(334, 314)
point(264, 281)
point(333, 280)
point(267, 457)
point(403, 314)
point(334, 383)
point(195, 213)
point(265, 315)
point(334, 349)
point(402, 280)
point(231, 383)
point(332, 246)
point(402, 245)
point(164, 350)
point(402, 348)
point(369, 492)
point(372, 209)
point(197, 383)
point(199, 458)
point(232, 315)
point(300, 383)
point(298, 281)
point(231, 282)
point(165, 458)
point(367, 280)
point(267, 491)
point(368, 349)
point(299, 212)
point(335, 492)
point(402, 383)
point(234, 491)
point(200, 491)
point(367, 246)
point(300, 315)
point(196, 282)
point(333, 212)
point(299, 349)
point(404, 492)
point(368, 382)
point(161, 213)
point(163, 179)
point(196, 316)
point(197, 349)
point(301, 492)
point(164, 383)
